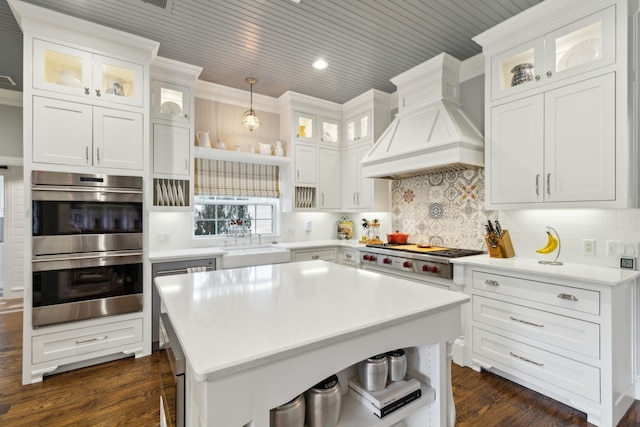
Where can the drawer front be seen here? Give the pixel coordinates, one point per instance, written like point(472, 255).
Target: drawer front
point(81, 341)
point(561, 331)
point(515, 357)
point(577, 299)
point(349, 256)
point(324, 254)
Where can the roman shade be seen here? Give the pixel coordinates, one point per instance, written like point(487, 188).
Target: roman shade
point(225, 178)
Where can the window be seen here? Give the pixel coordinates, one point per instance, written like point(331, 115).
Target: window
point(220, 215)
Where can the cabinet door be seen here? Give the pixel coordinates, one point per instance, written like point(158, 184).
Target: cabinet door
point(117, 139)
point(62, 132)
point(306, 160)
point(517, 69)
point(581, 46)
point(516, 151)
point(304, 127)
point(61, 69)
point(329, 179)
point(171, 146)
point(358, 129)
point(580, 140)
point(350, 178)
point(364, 197)
point(171, 102)
point(118, 81)
point(330, 132)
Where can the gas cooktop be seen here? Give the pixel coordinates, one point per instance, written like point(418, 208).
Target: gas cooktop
point(431, 250)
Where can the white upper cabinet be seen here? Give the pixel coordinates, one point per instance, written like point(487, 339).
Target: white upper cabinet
point(329, 180)
point(316, 129)
point(578, 47)
point(171, 150)
point(561, 107)
point(78, 72)
point(69, 133)
point(171, 102)
point(358, 128)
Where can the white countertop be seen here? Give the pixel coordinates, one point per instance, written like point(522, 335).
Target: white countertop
point(230, 320)
point(582, 272)
point(185, 253)
point(314, 244)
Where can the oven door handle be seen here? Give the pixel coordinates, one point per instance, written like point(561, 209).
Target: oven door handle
point(85, 189)
point(64, 262)
point(87, 256)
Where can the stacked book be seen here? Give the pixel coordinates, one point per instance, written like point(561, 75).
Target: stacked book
point(393, 397)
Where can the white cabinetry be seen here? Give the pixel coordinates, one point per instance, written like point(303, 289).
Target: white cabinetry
point(326, 254)
point(358, 128)
point(172, 132)
point(559, 100)
point(79, 72)
point(556, 147)
point(369, 114)
point(70, 133)
point(171, 149)
point(313, 128)
point(329, 181)
point(567, 338)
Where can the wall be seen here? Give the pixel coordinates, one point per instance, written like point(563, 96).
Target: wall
point(11, 136)
point(224, 121)
point(14, 235)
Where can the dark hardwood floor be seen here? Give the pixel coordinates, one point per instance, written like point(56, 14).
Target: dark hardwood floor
point(127, 393)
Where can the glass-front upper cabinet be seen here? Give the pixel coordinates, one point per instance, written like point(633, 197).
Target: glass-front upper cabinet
point(330, 132)
point(576, 48)
point(73, 71)
point(304, 127)
point(581, 46)
point(171, 102)
point(358, 128)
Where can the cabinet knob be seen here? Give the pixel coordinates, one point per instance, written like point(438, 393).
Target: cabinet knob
point(186, 116)
point(98, 94)
point(87, 91)
point(567, 297)
point(491, 282)
point(549, 73)
point(537, 77)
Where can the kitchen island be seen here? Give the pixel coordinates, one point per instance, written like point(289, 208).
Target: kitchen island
point(256, 337)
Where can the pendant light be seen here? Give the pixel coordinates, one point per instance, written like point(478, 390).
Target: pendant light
point(249, 118)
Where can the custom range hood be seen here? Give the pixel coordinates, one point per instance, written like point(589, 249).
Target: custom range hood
point(430, 134)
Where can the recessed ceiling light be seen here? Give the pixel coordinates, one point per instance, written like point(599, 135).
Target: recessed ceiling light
point(320, 64)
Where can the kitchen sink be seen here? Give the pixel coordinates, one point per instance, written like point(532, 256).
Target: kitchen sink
point(246, 256)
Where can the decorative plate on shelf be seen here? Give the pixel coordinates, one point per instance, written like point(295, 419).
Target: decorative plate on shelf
point(583, 52)
point(170, 107)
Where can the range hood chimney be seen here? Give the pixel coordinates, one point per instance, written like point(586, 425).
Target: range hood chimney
point(430, 134)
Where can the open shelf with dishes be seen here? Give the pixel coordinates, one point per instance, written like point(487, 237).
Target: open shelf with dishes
point(171, 192)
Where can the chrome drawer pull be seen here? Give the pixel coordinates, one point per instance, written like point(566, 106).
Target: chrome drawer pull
point(567, 296)
point(489, 282)
point(104, 337)
point(315, 257)
point(526, 322)
point(525, 359)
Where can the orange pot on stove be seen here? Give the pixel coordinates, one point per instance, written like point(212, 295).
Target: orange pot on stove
point(397, 238)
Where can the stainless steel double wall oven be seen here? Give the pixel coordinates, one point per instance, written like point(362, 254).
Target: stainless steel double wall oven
point(86, 247)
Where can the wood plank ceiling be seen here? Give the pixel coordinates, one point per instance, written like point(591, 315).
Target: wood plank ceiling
point(365, 42)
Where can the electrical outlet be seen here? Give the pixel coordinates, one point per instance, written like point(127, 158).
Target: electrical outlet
point(588, 247)
point(615, 248)
point(163, 237)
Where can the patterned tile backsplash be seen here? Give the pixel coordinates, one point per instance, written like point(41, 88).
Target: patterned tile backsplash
point(442, 209)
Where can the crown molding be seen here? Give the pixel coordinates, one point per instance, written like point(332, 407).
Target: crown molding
point(233, 96)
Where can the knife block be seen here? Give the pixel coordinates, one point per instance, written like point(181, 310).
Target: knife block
point(504, 248)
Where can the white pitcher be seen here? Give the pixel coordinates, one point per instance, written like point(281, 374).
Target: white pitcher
point(278, 149)
point(203, 139)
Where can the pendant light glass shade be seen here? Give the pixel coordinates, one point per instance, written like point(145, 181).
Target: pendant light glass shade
point(249, 119)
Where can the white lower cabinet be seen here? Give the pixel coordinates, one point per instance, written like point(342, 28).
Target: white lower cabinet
point(313, 254)
point(570, 339)
point(69, 133)
point(65, 346)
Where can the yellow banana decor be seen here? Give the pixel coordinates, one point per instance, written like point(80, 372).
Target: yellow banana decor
point(553, 243)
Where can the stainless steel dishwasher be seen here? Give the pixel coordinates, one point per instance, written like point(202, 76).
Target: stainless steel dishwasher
point(170, 268)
